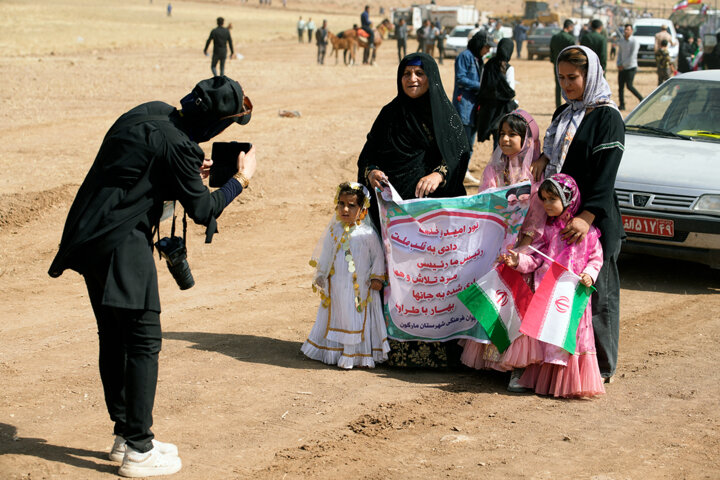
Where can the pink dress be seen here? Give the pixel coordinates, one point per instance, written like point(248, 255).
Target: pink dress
point(502, 171)
point(560, 373)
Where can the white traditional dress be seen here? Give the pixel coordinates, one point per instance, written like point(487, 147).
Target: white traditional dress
point(349, 329)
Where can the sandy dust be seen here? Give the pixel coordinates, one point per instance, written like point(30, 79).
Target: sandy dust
point(234, 392)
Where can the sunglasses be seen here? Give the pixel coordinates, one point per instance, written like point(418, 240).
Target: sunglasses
point(247, 109)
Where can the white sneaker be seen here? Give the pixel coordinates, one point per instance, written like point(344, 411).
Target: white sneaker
point(149, 464)
point(514, 384)
point(470, 179)
point(118, 450)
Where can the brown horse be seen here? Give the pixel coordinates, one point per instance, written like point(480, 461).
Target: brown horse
point(346, 44)
point(379, 32)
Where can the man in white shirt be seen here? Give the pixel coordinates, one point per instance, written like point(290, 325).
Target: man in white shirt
point(627, 65)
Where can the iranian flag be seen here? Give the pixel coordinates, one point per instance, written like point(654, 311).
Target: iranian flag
point(498, 301)
point(556, 307)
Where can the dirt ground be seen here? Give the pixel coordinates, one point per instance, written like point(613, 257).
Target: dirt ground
point(234, 392)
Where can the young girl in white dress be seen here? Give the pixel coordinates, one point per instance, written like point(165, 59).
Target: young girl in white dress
point(349, 329)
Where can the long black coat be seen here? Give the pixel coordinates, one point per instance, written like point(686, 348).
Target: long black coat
point(145, 159)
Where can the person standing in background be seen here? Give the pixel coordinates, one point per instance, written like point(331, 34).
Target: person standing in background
point(366, 25)
point(310, 26)
point(401, 33)
point(665, 67)
point(441, 44)
point(627, 64)
point(321, 39)
point(468, 74)
point(520, 35)
point(300, 29)
point(558, 43)
point(684, 54)
point(596, 41)
point(220, 36)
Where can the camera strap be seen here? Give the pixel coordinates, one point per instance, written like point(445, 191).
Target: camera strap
point(172, 229)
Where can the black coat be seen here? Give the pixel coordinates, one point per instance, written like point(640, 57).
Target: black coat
point(593, 159)
point(145, 159)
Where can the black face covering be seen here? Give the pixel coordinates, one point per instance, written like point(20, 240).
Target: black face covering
point(210, 108)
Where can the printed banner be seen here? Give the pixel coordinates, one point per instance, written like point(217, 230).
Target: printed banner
point(438, 247)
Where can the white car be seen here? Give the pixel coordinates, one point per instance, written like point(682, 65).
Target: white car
point(644, 31)
point(668, 183)
point(457, 40)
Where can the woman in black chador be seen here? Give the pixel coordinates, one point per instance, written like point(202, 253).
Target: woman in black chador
point(496, 97)
point(417, 144)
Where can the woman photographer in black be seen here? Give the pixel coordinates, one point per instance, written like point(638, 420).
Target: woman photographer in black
point(149, 156)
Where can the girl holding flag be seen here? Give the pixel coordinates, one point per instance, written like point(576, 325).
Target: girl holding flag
point(518, 146)
point(562, 373)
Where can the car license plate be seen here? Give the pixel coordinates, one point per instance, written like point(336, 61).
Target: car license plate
point(649, 226)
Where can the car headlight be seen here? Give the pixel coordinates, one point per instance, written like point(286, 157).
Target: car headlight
point(708, 203)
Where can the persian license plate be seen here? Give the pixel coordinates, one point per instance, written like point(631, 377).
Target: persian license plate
point(659, 227)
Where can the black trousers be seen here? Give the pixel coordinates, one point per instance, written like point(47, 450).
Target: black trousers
point(215, 60)
point(130, 342)
point(402, 49)
point(606, 312)
point(321, 54)
point(627, 77)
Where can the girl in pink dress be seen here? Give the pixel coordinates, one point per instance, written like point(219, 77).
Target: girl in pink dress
point(562, 374)
point(518, 147)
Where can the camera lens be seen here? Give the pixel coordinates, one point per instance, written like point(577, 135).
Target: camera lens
point(182, 274)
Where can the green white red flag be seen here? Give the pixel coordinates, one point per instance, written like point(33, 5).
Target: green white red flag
point(498, 300)
point(558, 304)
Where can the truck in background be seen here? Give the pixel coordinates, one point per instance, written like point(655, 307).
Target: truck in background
point(644, 31)
point(448, 16)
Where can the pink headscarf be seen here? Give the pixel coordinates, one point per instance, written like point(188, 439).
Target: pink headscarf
point(518, 170)
point(518, 166)
point(573, 256)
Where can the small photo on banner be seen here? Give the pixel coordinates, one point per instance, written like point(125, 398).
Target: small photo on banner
point(436, 248)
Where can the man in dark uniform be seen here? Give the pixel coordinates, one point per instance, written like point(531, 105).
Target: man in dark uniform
point(564, 38)
point(596, 41)
point(220, 36)
point(149, 156)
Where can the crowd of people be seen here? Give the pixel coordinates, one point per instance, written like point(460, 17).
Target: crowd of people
point(421, 142)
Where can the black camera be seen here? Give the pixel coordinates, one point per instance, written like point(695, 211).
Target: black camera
point(173, 250)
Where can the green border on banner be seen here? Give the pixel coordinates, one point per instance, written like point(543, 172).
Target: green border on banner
point(418, 208)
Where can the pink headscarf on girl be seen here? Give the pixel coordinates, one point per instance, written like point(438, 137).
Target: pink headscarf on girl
point(518, 170)
point(574, 256)
point(518, 166)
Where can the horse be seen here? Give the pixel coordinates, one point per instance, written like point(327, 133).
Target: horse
point(346, 44)
point(379, 32)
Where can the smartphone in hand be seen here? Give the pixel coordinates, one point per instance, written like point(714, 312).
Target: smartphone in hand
point(224, 156)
